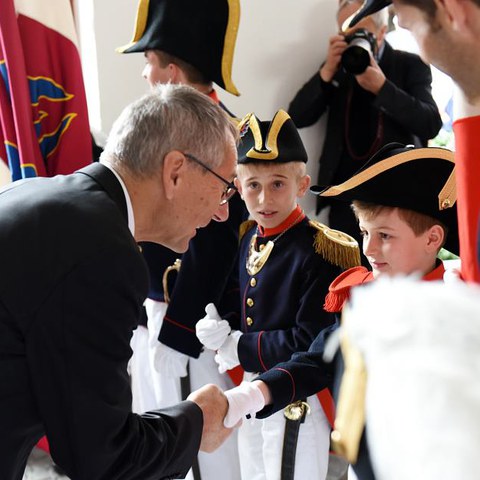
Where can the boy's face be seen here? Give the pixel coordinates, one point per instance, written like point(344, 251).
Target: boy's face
point(153, 72)
point(271, 191)
point(392, 248)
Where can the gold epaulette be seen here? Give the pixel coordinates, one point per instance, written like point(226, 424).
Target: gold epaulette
point(335, 246)
point(245, 227)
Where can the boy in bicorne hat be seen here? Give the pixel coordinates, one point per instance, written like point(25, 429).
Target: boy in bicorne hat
point(405, 201)
point(286, 262)
point(190, 42)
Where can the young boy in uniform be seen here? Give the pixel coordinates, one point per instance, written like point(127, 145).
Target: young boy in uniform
point(286, 263)
point(404, 199)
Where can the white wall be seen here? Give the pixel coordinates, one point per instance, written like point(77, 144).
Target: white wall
point(280, 44)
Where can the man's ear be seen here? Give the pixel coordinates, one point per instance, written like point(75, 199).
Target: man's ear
point(303, 185)
point(435, 238)
point(173, 166)
point(457, 12)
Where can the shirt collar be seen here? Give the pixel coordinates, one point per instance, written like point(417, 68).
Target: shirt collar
point(131, 219)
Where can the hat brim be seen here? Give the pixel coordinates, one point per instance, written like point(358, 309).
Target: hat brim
point(415, 179)
point(369, 7)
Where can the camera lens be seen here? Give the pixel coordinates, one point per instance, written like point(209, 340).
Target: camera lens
point(356, 57)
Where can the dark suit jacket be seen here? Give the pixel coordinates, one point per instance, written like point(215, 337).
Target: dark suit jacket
point(72, 285)
point(410, 115)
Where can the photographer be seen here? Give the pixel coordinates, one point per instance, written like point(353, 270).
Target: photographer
point(390, 101)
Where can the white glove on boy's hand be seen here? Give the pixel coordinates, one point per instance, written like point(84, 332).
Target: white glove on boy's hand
point(246, 399)
point(211, 330)
point(227, 354)
point(170, 362)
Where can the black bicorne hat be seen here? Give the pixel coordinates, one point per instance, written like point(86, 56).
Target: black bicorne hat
point(276, 141)
point(200, 32)
point(418, 179)
point(368, 8)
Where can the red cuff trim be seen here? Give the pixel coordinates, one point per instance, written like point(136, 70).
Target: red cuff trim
point(179, 325)
point(293, 383)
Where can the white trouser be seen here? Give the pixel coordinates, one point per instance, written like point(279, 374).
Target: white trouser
point(260, 444)
point(152, 389)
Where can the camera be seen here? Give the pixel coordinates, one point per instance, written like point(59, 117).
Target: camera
point(356, 57)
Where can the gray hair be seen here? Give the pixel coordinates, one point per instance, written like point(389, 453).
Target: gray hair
point(170, 117)
point(380, 18)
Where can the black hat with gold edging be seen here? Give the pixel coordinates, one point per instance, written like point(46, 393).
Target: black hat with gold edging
point(277, 141)
point(200, 32)
point(417, 179)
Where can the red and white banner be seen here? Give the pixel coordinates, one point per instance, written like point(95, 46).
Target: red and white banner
point(44, 127)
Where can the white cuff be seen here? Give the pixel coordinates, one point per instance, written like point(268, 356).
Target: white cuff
point(246, 399)
point(227, 354)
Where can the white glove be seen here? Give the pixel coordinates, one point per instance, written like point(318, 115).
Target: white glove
point(211, 330)
point(169, 362)
point(227, 354)
point(246, 399)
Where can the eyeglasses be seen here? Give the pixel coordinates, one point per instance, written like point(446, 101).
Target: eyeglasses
point(230, 189)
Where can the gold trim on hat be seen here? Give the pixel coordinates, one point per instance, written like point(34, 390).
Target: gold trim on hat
point(140, 25)
point(229, 45)
point(270, 151)
point(448, 194)
point(395, 161)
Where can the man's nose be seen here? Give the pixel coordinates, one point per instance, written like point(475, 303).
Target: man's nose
point(222, 213)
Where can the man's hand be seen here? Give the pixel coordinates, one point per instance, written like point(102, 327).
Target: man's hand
point(336, 47)
point(214, 405)
point(372, 79)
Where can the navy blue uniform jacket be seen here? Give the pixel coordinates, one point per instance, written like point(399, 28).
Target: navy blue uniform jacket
point(72, 285)
point(282, 305)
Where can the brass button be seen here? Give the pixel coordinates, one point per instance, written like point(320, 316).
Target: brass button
point(253, 282)
point(250, 302)
point(446, 204)
point(249, 321)
point(262, 247)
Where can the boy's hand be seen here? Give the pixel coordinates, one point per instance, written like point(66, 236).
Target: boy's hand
point(227, 354)
point(211, 330)
point(246, 399)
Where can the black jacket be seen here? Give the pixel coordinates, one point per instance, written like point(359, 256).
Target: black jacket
point(72, 285)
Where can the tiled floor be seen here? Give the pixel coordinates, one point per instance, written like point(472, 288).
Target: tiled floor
point(40, 467)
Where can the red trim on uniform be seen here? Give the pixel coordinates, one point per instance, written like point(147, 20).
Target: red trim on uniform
point(213, 95)
point(236, 375)
point(296, 216)
point(467, 169)
point(259, 350)
point(328, 405)
point(293, 382)
point(436, 274)
point(173, 322)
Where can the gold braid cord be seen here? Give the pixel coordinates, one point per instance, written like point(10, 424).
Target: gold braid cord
point(336, 247)
point(175, 267)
